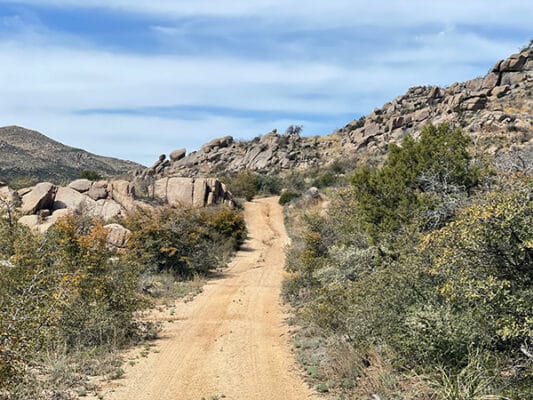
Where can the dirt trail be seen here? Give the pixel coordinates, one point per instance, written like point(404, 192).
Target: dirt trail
point(232, 339)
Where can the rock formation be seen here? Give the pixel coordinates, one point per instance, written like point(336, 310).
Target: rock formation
point(45, 203)
point(497, 110)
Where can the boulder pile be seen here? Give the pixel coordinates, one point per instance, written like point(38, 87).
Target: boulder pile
point(496, 110)
point(42, 205)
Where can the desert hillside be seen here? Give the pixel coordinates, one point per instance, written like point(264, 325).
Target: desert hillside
point(29, 154)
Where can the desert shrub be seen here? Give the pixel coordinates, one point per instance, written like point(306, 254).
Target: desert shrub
point(243, 184)
point(23, 182)
point(288, 196)
point(482, 261)
point(91, 175)
point(295, 181)
point(326, 178)
point(268, 184)
point(416, 179)
point(63, 288)
point(184, 241)
point(417, 263)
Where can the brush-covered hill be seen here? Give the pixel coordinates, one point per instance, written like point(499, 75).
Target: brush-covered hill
point(496, 110)
point(30, 155)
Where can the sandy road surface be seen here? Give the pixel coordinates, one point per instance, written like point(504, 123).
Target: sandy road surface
point(232, 339)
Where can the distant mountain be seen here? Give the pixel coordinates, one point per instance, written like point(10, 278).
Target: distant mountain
point(496, 110)
point(31, 156)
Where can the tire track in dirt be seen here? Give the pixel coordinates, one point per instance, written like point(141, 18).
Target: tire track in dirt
point(232, 340)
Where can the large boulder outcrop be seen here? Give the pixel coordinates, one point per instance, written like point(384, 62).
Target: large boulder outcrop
point(177, 155)
point(81, 185)
point(123, 192)
point(40, 198)
point(195, 192)
point(72, 199)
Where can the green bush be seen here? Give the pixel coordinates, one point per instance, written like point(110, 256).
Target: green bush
point(62, 289)
point(91, 175)
point(268, 184)
point(420, 266)
point(243, 185)
point(287, 196)
point(184, 241)
point(418, 179)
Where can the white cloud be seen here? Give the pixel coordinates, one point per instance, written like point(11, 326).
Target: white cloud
point(324, 13)
point(48, 77)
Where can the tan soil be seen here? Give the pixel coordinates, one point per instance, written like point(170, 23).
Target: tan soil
point(232, 340)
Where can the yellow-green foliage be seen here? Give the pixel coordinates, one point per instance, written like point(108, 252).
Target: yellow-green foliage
point(484, 258)
point(184, 241)
point(62, 288)
point(426, 265)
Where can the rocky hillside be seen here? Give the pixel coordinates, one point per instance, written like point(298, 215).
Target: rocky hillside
point(26, 153)
point(497, 110)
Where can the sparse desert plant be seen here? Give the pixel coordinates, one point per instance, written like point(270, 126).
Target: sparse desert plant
point(287, 196)
point(91, 175)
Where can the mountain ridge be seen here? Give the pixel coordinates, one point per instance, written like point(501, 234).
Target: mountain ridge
point(27, 153)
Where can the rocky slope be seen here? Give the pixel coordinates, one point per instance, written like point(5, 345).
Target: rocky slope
point(27, 153)
point(497, 110)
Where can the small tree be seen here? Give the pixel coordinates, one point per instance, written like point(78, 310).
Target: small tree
point(91, 175)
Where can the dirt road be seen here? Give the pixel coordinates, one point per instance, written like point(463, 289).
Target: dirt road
point(232, 340)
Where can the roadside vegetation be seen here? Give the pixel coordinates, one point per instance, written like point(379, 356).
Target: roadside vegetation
point(416, 281)
point(68, 301)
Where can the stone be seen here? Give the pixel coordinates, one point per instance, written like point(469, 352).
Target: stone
point(199, 193)
point(40, 197)
point(456, 100)
point(490, 81)
point(107, 209)
point(117, 235)
point(421, 115)
point(177, 155)
point(435, 93)
point(210, 199)
point(31, 221)
point(371, 129)
point(159, 191)
point(270, 139)
point(25, 191)
point(44, 214)
point(180, 191)
point(312, 193)
point(81, 185)
point(72, 199)
point(57, 214)
point(262, 161)
point(395, 123)
point(97, 192)
point(514, 63)
point(500, 91)
point(474, 104)
point(220, 142)
point(9, 197)
point(512, 78)
point(123, 193)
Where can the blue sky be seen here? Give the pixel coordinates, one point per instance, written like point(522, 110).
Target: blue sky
point(137, 78)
